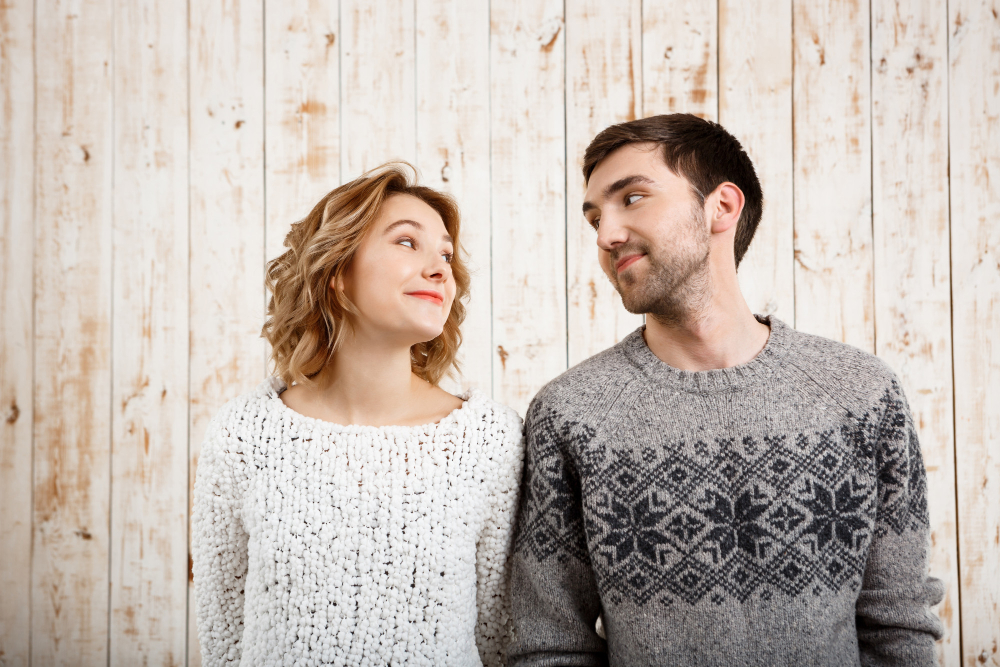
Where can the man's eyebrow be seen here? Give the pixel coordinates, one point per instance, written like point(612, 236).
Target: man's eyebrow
point(623, 183)
point(446, 237)
point(617, 186)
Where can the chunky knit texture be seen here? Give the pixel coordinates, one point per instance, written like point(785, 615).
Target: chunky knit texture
point(772, 513)
point(316, 543)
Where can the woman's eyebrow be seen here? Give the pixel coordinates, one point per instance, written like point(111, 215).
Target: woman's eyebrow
point(403, 222)
point(446, 237)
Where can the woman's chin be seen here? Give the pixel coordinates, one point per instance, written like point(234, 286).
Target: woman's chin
point(424, 334)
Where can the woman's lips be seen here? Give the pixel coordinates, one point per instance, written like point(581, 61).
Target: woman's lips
point(428, 295)
point(627, 261)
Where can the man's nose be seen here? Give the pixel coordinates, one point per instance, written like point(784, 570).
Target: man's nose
point(610, 233)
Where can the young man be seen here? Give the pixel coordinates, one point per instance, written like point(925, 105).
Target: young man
point(718, 487)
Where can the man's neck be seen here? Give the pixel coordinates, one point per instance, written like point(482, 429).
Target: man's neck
point(722, 332)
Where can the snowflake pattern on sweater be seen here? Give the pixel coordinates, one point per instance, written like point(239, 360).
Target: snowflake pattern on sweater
point(315, 543)
point(688, 519)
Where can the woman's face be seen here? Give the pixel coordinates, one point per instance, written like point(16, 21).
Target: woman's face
point(400, 279)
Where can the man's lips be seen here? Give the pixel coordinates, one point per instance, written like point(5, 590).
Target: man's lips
point(627, 261)
point(428, 295)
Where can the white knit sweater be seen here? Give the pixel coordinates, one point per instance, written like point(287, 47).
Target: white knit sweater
point(316, 543)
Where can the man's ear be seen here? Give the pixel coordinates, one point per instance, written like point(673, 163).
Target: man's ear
point(724, 206)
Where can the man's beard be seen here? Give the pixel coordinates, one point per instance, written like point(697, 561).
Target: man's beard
point(674, 287)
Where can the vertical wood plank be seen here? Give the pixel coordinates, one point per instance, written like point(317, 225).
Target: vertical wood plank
point(378, 92)
point(149, 464)
point(453, 153)
point(680, 58)
point(974, 121)
point(910, 244)
point(74, 65)
point(755, 105)
point(302, 110)
point(832, 156)
point(527, 120)
point(603, 87)
point(226, 47)
point(17, 164)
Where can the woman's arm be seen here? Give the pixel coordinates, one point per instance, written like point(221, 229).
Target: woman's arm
point(218, 547)
point(495, 541)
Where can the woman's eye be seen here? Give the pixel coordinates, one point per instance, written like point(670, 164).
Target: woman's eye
point(447, 256)
point(407, 242)
point(631, 199)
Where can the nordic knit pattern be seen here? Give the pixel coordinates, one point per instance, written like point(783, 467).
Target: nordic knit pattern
point(772, 513)
point(316, 543)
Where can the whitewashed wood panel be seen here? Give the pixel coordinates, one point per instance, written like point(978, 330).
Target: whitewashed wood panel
point(755, 105)
point(302, 110)
point(527, 122)
point(149, 470)
point(910, 244)
point(69, 575)
point(226, 47)
point(680, 58)
point(603, 87)
point(453, 153)
point(17, 165)
point(378, 90)
point(832, 158)
point(974, 126)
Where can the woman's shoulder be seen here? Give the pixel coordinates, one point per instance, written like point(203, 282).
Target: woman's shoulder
point(501, 426)
point(483, 408)
point(245, 410)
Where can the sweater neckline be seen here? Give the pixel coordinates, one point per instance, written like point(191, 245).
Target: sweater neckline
point(759, 368)
point(274, 385)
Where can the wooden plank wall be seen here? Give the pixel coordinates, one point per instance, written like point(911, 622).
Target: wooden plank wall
point(153, 157)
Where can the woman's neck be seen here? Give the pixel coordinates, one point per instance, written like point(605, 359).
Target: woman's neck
point(370, 383)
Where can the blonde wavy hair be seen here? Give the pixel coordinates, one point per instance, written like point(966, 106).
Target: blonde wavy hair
point(306, 317)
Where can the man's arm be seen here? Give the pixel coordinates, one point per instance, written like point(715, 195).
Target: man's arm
point(894, 621)
point(555, 598)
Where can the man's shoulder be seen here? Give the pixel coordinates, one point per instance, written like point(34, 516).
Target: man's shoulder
point(830, 362)
point(583, 388)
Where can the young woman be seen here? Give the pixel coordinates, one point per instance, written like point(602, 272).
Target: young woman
point(349, 511)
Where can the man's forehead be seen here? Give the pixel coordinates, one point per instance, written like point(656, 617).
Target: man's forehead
point(632, 160)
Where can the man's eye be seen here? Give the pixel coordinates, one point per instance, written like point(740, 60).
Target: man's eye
point(631, 199)
point(595, 223)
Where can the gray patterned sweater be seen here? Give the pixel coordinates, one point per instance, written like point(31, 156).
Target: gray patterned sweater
point(772, 513)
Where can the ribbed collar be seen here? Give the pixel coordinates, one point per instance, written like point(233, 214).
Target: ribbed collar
point(760, 368)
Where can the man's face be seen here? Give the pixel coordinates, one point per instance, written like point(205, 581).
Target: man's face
point(652, 239)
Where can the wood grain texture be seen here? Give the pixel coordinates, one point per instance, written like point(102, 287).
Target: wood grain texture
point(527, 124)
point(832, 157)
point(226, 43)
point(603, 87)
point(302, 110)
point(910, 244)
point(17, 165)
point(680, 58)
point(974, 121)
point(150, 332)
point(69, 577)
point(378, 91)
point(755, 105)
point(453, 154)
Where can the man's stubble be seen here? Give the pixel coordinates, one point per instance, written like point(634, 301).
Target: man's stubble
point(676, 284)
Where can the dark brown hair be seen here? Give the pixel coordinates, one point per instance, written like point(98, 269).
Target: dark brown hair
point(306, 317)
point(701, 151)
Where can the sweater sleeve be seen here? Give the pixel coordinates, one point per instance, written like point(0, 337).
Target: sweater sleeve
point(894, 622)
point(494, 545)
point(219, 549)
point(555, 597)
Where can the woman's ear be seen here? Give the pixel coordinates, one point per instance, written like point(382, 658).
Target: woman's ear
point(724, 207)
